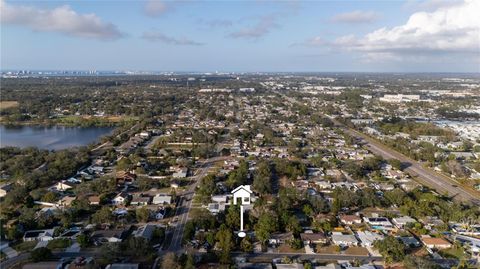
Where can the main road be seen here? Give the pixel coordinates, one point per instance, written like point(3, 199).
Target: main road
point(441, 183)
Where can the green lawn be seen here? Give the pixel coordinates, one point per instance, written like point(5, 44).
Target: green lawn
point(59, 243)
point(457, 253)
point(25, 246)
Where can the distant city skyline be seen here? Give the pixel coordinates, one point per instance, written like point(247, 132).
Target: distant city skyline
point(248, 36)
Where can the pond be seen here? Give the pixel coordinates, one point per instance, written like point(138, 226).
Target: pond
point(51, 137)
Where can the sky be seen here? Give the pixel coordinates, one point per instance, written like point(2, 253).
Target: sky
point(241, 36)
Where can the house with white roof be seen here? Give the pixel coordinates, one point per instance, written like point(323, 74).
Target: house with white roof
point(400, 222)
point(367, 238)
point(344, 240)
point(162, 199)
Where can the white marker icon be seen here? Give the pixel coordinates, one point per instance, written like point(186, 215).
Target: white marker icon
point(243, 194)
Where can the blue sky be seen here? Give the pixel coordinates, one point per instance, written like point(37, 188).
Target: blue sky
point(318, 36)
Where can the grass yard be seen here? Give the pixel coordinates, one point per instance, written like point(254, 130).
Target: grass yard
point(8, 104)
point(327, 250)
point(59, 243)
point(285, 248)
point(457, 253)
point(356, 251)
point(25, 246)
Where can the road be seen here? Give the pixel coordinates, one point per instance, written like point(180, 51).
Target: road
point(426, 176)
point(268, 257)
point(59, 254)
point(441, 183)
point(119, 135)
point(183, 211)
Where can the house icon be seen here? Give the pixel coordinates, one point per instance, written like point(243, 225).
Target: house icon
point(242, 193)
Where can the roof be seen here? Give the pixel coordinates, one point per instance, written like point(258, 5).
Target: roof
point(94, 199)
point(435, 241)
point(312, 236)
point(350, 217)
point(244, 187)
point(282, 236)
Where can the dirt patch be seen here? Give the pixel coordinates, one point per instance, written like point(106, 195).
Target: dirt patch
point(327, 250)
point(285, 248)
point(8, 104)
point(356, 251)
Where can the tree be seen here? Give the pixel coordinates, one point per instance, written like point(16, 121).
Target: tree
point(296, 243)
point(246, 245)
point(266, 225)
point(104, 215)
point(262, 181)
point(416, 262)
point(293, 225)
point(190, 263)
point(41, 254)
point(49, 197)
point(232, 218)
point(395, 163)
point(391, 249)
point(124, 164)
point(83, 240)
point(225, 242)
point(207, 188)
point(142, 214)
point(189, 230)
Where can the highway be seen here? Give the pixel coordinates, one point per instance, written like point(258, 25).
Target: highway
point(426, 176)
point(441, 183)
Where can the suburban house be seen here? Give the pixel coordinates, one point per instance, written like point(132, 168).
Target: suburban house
point(344, 240)
point(38, 235)
point(216, 208)
point(379, 222)
point(350, 219)
point(180, 173)
point(162, 199)
point(410, 241)
point(94, 200)
point(437, 243)
point(120, 199)
point(4, 189)
point(139, 200)
point(110, 236)
point(280, 238)
point(309, 238)
point(145, 232)
point(400, 222)
point(367, 238)
point(61, 186)
point(243, 193)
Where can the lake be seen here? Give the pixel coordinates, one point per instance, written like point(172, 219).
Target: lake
point(52, 137)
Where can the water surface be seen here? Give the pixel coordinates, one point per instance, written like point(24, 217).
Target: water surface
point(52, 137)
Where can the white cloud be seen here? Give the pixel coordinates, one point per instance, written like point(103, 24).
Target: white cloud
point(430, 5)
point(448, 30)
point(156, 36)
point(312, 42)
point(61, 19)
point(357, 16)
point(263, 26)
point(155, 8)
